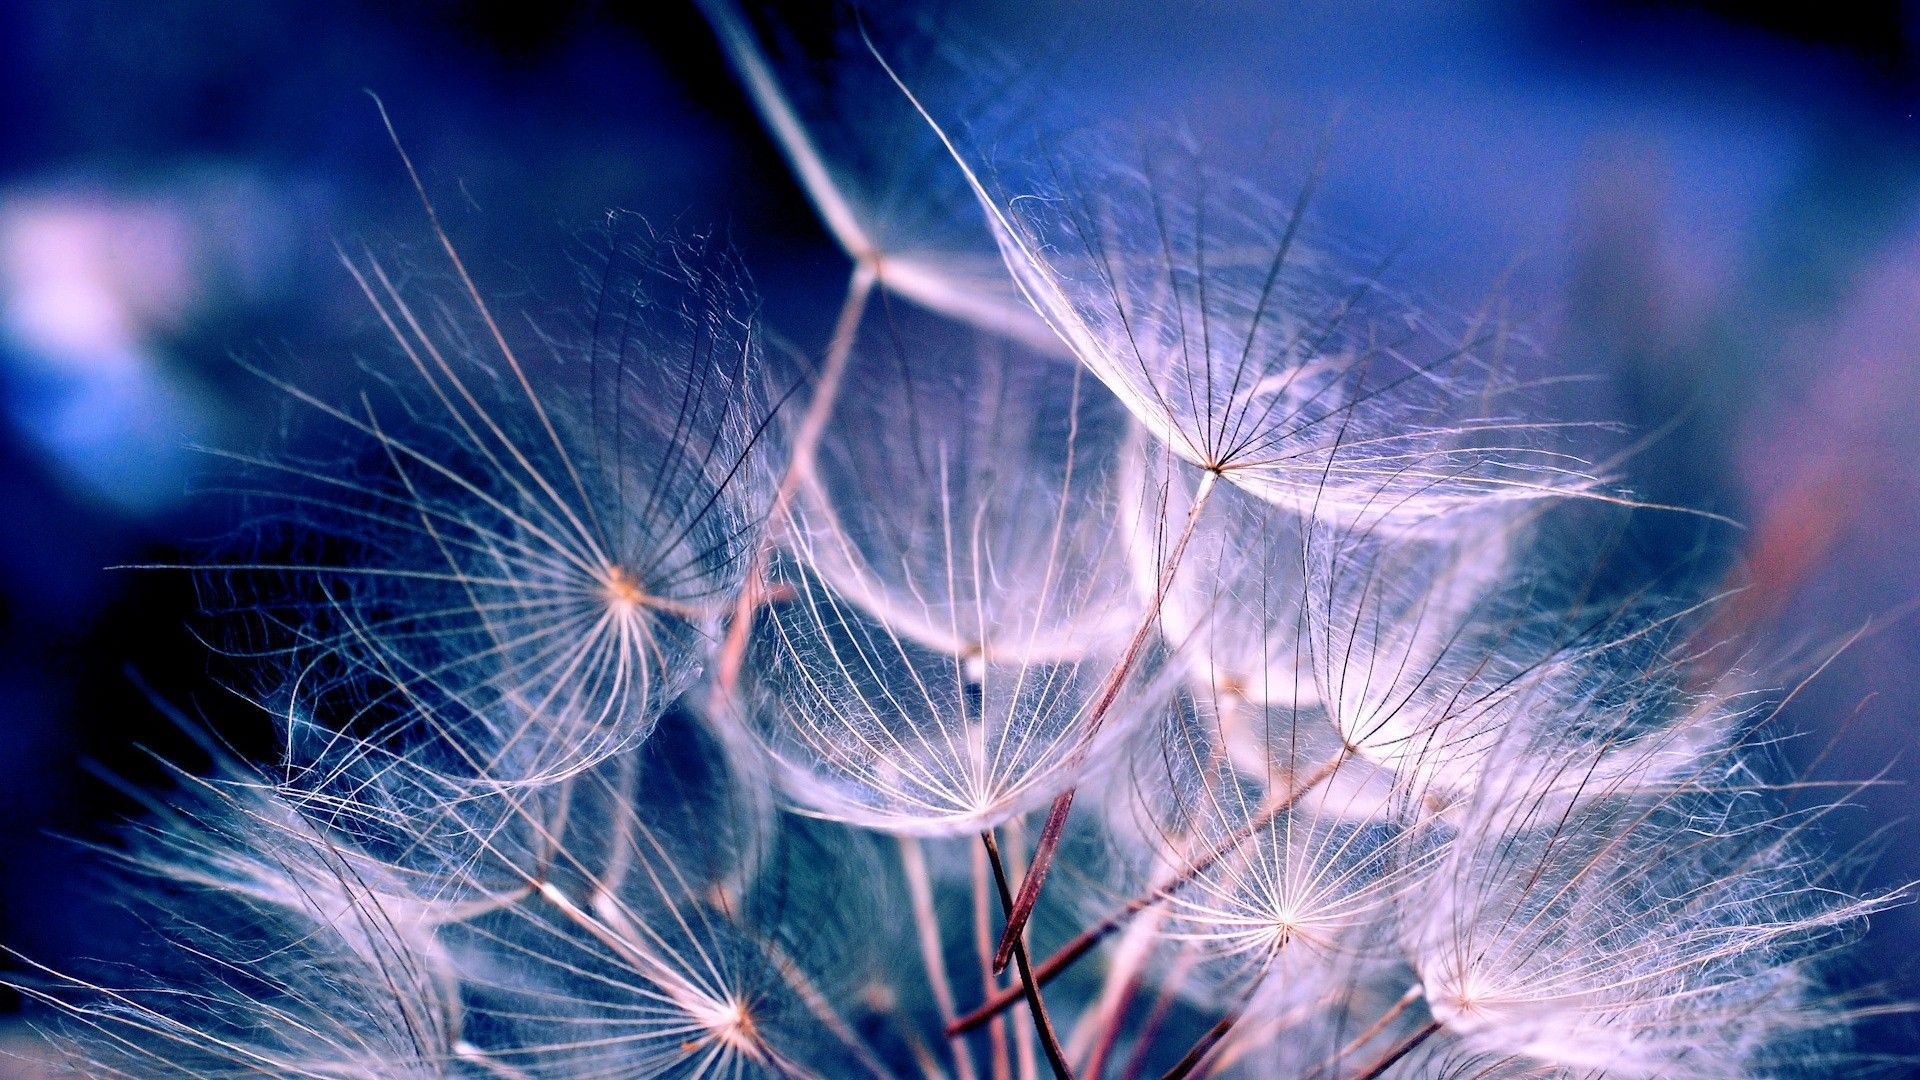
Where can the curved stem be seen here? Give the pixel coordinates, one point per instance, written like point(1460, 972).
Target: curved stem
point(1360, 1040)
point(983, 941)
point(1402, 1049)
point(1084, 941)
point(1096, 716)
point(1049, 1042)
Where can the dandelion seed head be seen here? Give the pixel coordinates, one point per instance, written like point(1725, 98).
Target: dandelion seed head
point(544, 525)
point(1191, 295)
point(958, 594)
point(1252, 637)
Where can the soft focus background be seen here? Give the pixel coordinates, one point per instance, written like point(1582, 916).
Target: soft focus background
point(1716, 213)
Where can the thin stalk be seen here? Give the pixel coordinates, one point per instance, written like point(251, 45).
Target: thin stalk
point(1049, 844)
point(983, 945)
point(770, 99)
point(1402, 1049)
point(1373, 1029)
point(1100, 1028)
point(1023, 1052)
point(920, 887)
point(1187, 1064)
point(1110, 1029)
point(1084, 942)
point(806, 443)
point(1156, 1016)
point(1048, 1041)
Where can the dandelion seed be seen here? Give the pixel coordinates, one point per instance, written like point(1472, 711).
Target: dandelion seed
point(960, 592)
point(276, 951)
point(529, 576)
point(1187, 293)
point(970, 501)
point(1636, 935)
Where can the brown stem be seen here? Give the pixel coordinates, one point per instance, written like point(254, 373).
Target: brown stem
point(983, 941)
point(1185, 1066)
point(1049, 1042)
point(1083, 942)
point(1191, 1063)
point(1373, 1029)
point(1150, 1027)
point(1406, 1046)
point(913, 862)
point(1110, 1030)
point(1021, 909)
point(1096, 716)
